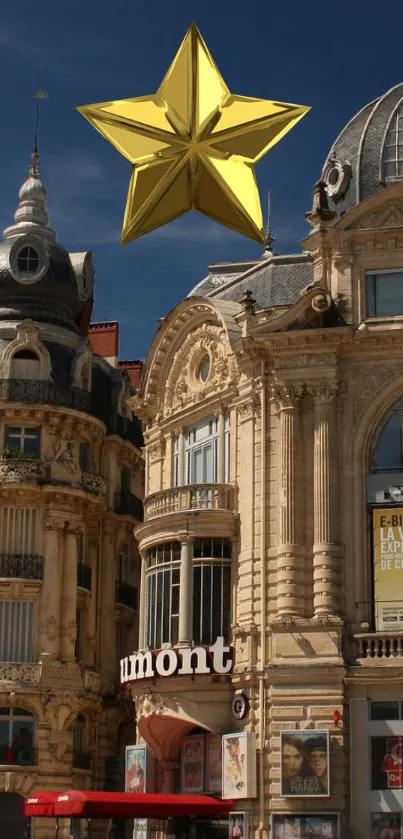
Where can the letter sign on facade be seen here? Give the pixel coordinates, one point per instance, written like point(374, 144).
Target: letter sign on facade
point(188, 661)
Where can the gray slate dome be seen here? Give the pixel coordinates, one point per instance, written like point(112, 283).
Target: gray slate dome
point(367, 156)
point(39, 279)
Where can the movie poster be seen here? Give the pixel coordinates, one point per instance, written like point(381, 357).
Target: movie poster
point(237, 827)
point(136, 769)
point(306, 826)
point(140, 829)
point(387, 763)
point(239, 765)
point(387, 526)
point(213, 764)
point(305, 763)
point(193, 764)
point(386, 825)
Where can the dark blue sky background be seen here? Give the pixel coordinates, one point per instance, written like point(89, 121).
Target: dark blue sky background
point(332, 56)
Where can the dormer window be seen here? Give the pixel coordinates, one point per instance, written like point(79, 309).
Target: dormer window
point(28, 260)
point(384, 291)
point(393, 147)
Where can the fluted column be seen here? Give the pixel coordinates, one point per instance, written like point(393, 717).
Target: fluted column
point(69, 592)
point(185, 592)
point(49, 624)
point(142, 604)
point(290, 555)
point(326, 549)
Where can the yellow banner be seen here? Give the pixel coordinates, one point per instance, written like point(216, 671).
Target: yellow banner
point(387, 526)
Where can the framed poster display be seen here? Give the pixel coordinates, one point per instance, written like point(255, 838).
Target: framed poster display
point(386, 825)
point(237, 825)
point(305, 764)
point(139, 769)
point(193, 764)
point(213, 764)
point(306, 826)
point(387, 536)
point(239, 765)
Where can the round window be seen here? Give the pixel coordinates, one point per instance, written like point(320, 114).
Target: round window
point(28, 260)
point(333, 176)
point(204, 368)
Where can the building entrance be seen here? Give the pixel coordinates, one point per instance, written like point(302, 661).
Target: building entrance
point(12, 820)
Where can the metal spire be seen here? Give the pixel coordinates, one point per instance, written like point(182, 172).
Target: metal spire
point(270, 237)
point(39, 95)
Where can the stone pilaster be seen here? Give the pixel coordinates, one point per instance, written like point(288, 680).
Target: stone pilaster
point(107, 629)
point(50, 611)
point(326, 549)
point(93, 549)
point(290, 554)
point(221, 447)
point(185, 592)
point(69, 591)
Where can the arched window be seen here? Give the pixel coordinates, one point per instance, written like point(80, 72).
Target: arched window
point(17, 737)
point(163, 573)
point(386, 457)
point(393, 147)
point(25, 364)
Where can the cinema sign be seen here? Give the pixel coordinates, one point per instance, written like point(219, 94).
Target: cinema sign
point(183, 661)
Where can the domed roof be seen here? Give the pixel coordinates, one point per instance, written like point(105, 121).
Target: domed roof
point(39, 279)
point(367, 156)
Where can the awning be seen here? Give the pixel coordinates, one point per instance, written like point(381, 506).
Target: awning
point(121, 805)
point(41, 804)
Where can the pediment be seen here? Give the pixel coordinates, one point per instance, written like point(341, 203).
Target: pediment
point(389, 216)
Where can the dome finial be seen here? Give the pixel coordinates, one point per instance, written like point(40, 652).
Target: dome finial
point(31, 215)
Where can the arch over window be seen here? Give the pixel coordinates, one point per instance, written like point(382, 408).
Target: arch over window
point(385, 476)
point(17, 737)
point(392, 155)
point(26, 357)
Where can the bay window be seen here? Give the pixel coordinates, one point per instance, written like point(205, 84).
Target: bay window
point(163, 572)
point(202, 453)
point(207, 599)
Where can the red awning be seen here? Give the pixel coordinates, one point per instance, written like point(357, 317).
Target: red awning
point(41, 804)
point(121, 805)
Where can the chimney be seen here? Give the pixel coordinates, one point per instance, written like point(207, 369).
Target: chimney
point(104, 338)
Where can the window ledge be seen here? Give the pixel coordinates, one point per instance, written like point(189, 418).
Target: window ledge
point(391, 322)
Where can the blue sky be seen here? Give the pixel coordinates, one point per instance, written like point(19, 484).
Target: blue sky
point(332, 56)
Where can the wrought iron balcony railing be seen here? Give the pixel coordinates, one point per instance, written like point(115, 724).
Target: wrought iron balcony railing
point(126, 595)
point(128, 504)
point(188, 498)
point(39, 392)
point(21, 566)
point(84, 573)
point(81, 760)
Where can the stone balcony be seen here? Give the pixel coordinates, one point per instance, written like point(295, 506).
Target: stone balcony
point(94, 484)
point(186, 499)
point(48, 675)
point(377, 648)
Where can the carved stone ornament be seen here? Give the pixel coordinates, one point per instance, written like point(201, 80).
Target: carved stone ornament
point(390, 215)
point(149, 705)
point(62, 445)
point(185, 385)
point(27, 338)
point(323, 392)
point(249, 408)
point(368, 380)
point(337, 177)
point(286, 396)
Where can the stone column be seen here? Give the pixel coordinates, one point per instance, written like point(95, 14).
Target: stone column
point(49, 624)
point(185, 593)
point(93, 550)
point(221, 448)
point(326, 549)
point(107, 628)
point(290, 555)
point(69, 591)
point(142, 604)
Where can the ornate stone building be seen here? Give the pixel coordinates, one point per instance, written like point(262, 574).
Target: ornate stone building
point(272, 407)
point(71, 479)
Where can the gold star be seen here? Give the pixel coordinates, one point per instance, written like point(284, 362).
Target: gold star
point(193, 145)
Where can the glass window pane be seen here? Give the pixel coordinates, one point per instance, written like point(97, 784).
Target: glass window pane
point(390, 169)
point(217, 614)
point(385, 294)
point(206, 606)
point(166, 607)
point(226, 603)
point(196, 603)
point(387, 453)
point(31, 443)
point(386, 763)
point(385, 710)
